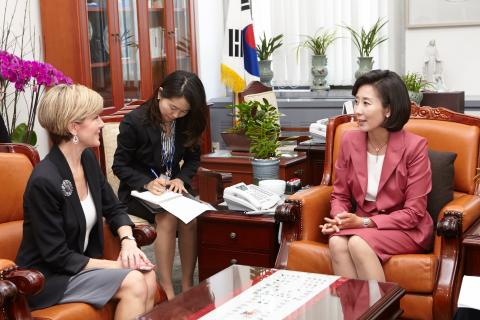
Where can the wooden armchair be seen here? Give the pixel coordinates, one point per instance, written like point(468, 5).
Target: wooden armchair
point(431, 280)
point(16, 164)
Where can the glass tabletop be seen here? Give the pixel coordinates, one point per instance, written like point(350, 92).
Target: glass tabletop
point(234, 292)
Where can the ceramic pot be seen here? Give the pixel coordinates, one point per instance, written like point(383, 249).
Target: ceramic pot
point(319, 73)
point(365, 65)
point(416, 97)
point(266, 73)
point(265, 169)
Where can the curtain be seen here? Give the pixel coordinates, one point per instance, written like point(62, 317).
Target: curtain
point(297, 18)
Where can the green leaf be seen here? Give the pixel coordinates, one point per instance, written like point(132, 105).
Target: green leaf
point(20, 134)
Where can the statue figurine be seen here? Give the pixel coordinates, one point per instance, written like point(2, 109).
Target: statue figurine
point(432, 68)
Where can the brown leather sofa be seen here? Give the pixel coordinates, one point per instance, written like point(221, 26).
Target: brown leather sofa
point(431, 280)
point(16, 164)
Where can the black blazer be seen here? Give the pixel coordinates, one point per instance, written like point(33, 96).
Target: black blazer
point(54, 225)
point(139, 148)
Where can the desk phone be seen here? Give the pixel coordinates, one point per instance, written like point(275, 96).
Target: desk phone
point(249, 197)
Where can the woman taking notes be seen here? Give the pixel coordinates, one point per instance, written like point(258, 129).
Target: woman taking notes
point(65, 202)
point(152, 142)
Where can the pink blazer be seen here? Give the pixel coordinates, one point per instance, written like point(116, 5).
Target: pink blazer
point(405, 181)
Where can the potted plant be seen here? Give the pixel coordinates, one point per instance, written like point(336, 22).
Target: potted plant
point(259, 122)
point(265, 49)
point(415, 83)
point(365, 42)
point(318, 45)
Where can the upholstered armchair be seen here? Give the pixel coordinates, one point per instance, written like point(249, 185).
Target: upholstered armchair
point(16, 164)
point(432, 279)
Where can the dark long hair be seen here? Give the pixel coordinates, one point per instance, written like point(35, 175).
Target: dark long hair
point(182, 84)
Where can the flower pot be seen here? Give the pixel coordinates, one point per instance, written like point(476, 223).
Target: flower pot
point(264, 169)
point(416, 97)
point(237, 142)
point(266, 73)
point(365, 65)
point(319, 73)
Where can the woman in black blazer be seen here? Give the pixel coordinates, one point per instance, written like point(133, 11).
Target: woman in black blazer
point(153, 140)
point(65, 201)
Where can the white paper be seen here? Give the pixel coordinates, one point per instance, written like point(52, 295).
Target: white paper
point(275, 297)
point(468, 297)
point(180, 206)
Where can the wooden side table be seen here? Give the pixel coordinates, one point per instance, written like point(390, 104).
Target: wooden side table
point(471, 245)
point(227, 237)
point(241, 166)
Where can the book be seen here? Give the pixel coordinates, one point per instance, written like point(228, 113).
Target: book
point(184, 207)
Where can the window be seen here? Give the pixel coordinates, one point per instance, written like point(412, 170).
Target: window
point(294, 18)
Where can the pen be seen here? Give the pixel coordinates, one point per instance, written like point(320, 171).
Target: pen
point(154, 173)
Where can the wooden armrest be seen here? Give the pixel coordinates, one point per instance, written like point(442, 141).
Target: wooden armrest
point(459, 215)
point(144, 235)
point(7, 291)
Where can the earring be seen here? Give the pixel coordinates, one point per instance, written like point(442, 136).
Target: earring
point(75, 139)
point(387, 115)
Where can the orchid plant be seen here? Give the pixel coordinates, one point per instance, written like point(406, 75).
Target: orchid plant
point(22, 81)
point(21, 74)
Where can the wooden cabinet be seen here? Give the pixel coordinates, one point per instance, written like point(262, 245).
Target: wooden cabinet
point(471, 246)
point(120, 48)
point(226, 238)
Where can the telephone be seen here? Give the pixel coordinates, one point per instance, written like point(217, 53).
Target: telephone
point(251, 197)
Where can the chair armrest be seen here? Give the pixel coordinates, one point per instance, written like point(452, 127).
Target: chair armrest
point(7, 291)
point(459, 215)
point(300, 216)
point(144, 235)
point(456, 217)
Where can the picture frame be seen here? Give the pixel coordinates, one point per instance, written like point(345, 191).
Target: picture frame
point(442, 13)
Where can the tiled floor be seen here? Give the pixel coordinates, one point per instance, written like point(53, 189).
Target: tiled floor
point(177, 271)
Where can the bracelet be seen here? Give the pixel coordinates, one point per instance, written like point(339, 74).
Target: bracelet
point(129, 237)
point(366, 222)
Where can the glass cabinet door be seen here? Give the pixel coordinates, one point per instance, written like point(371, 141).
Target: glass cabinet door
point(182, 35)
point(98, 36)
point(129, 53)
point(156, 27)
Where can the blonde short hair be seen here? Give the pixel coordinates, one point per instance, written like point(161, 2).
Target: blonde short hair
point(64, 104)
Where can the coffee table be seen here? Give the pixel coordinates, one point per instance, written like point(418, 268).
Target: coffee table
point(343, 299)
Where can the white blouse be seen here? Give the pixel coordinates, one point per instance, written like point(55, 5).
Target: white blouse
point(374, 168)
point(90, 216)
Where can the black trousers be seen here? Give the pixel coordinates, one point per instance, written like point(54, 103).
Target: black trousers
point(467, 314)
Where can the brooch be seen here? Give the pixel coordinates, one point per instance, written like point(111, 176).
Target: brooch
point(67, 188)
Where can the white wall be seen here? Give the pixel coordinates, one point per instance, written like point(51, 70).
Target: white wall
point(209, 35)
point(33, 26)
point(458, 48)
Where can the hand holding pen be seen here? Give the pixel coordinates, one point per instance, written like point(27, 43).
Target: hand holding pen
point(158, 185)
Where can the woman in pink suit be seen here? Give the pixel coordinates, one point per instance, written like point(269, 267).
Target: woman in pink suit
point(382, 178)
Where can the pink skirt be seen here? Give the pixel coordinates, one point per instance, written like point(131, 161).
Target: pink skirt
point(385, 243)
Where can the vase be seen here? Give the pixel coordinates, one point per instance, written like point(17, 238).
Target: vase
point(237, 142)
point(266, 73)
point(416, 97)
point(265, 169)
point(365, 65)
point(319, 73)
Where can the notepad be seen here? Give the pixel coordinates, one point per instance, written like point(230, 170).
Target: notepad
point(184, 208)
point(468, 293)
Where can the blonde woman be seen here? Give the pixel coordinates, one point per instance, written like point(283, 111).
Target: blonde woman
point(65, 202)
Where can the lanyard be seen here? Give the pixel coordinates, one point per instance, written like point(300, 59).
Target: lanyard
point(168, 150)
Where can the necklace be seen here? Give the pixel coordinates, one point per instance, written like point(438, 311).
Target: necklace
point(377, 148)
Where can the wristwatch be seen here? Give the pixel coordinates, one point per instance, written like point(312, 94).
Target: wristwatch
point(366, 222)
point(129, 237)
